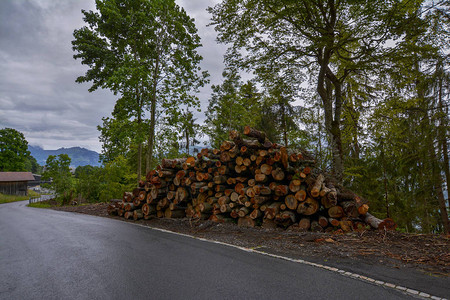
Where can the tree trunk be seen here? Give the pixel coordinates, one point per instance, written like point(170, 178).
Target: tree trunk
point(186, 133)
point(315, 190)
point(376, 223)
point(436, 171)
point(386, 195)
point(326, 79)
point(177, 213)
point(278, 174)
point(437, 180)
point(112, 210)
point(246, 222)
point(139, 99)
point(260, 135)
point(151, 136)
point(443, 127)
point(137, 214)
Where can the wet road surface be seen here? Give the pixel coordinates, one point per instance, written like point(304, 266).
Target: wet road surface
point(47, 254)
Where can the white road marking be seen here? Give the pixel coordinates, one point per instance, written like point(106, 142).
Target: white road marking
point(404, 290)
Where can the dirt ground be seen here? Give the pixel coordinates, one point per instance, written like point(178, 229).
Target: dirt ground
point(425, 252)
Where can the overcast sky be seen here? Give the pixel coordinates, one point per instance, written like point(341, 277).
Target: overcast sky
point(38, 93)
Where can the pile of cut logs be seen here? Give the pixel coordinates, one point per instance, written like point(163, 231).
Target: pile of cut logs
point(253, 181)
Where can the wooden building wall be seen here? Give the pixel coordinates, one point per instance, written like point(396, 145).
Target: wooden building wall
point(18, 188)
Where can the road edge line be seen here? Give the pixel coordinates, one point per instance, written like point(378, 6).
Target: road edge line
point(369, 280)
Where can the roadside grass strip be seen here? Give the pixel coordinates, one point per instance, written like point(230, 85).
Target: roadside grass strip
point(380, 283)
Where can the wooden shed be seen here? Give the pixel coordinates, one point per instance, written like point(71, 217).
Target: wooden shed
point(15, 183)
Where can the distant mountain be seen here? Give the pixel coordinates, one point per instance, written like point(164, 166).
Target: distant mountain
point(78, 156)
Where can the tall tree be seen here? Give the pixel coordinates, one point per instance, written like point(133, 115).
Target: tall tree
point(31, 165)
point(232, 106)
point(418, 81)
point(13, 150)
point(144, 50)
point(330, 39)
point(58, 169)
point(222, 115)
point(116, 138)
point(115, 178)
point(188, 129)
point(404, 165)
point(279, 101)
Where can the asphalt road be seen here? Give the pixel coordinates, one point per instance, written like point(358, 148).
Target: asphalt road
point(47, 254)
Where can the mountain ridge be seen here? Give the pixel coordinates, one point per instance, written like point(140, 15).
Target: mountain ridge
point(79, 156)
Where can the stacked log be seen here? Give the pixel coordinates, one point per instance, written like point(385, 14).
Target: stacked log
point(253, 181)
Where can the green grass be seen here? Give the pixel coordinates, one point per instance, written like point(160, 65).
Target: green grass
point(40, 204)
point(14, 198)
point(32, 193)
point(11, 198)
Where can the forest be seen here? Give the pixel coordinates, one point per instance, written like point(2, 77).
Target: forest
point(363, 86)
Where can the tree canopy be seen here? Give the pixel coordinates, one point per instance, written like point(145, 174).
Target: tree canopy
point(363, 85)
point(58, 170)
point(144, 50)
point(328, 41)
point(14, 152)
point(378, 115)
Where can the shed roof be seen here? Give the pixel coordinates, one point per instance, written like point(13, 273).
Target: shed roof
point(16, 176)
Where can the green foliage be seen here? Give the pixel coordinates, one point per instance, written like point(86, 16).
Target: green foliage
point(82, 171)
point(14, 198)
point(232, 106)
point(78, 156)
point(187, 129)
point(31, 165)
point(40, 205)
point(87, 183)
point(57, 169)
point(116, 178)
point(14, 154)
point(115, 137)
point(312, 136)
point(328, 41)
point(235, 104)
point(146, 51)
point(11, 198)
point(102, 184)
point(167, 143)
point(379, 117)
point(401, 169)
point(279, 113)
point(13, 150)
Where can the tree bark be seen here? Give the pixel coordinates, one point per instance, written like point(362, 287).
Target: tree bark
point(315, 190)
point(437, 180)
point(376, 223)
point(443, 128)
point(326, 79)
point(246, 222)
point(260, 135)
point(151, 137)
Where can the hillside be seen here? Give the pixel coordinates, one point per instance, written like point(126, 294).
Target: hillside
point(79, 156)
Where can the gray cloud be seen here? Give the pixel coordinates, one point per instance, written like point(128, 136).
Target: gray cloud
point(38, 93)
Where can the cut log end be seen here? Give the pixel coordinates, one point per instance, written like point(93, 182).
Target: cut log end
point(253, 181)
point(387, 224)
